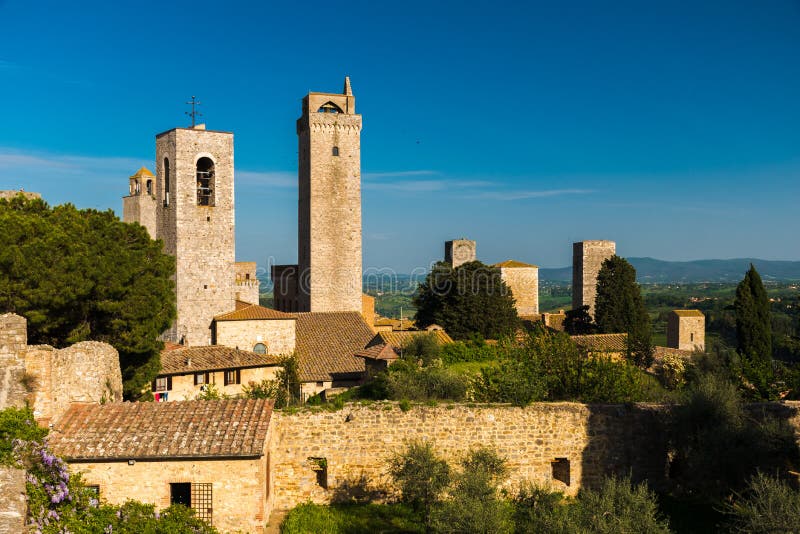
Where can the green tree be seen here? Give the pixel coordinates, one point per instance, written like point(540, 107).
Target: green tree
point(619, 308)
point(80, 275)
point(470, 299)
point(619, 507)
point(284, 389)
point(754, 331)
point(768, 506)
point(579, 322)
point(421, 477)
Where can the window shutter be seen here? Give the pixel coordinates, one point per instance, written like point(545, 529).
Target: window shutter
point(207, 379)
point(225, 376)
point(169, 383)
point(153, 386)
point(238, 376)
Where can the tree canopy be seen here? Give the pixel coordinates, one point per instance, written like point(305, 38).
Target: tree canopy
point(753, 329)
point(619, 308)
point(470, 299)
point(80, 275)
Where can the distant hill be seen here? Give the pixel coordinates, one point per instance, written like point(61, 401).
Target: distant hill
point(650, 270)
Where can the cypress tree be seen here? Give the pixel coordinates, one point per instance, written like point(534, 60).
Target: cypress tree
point(754, 330)
point(619, 308)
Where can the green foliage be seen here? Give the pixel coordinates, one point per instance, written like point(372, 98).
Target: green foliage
point(472, 298)
point(423, 347)
point(284, 389)
point(407, 380)
point(421, 477)
point(717, 445)
point(673, 371)
point(579, 322)
point(474, 503)
point(468, 351)
point(619, 307)
point(81, 275)
point(768, 506)
point(210, 392)
point(754, 331)
point(537, 509)
point(311, 518)
point(17, 424)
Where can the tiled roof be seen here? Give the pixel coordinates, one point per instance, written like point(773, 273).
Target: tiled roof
point(660, 352)
point(400, 338)
point(688, 313)
point(252, 312)
point(144, 171)
point(513, 264)
point(380, 351)
point(327, 343)
point(211, 358)
point(602, 342)
point(396, 324)
point(163, 430)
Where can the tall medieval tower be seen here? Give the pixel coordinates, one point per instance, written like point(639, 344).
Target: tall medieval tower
point(195, 219)
point(587, 259)
point(329, 212)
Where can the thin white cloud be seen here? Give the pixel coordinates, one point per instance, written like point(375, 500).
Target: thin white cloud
point(397, 174)
point(524, 194)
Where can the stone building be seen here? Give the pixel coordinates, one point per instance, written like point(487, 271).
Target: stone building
point(50, 380)
point(247, 283)
point(187, 371)
point(459, 251)
point(587, 258)
point(686, 330)
point(328, 277)
point(158, 453)
point(140, 204)
point(8, 195)
point(256, 328)
point(523, 280)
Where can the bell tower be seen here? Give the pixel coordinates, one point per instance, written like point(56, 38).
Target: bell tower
point(329, 225)
point(195, 219)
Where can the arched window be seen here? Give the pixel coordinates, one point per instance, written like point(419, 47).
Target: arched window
point(260, 348)
point(135, 187)
point(166, 182)
point(336, 151)
point(329, 107)
point(149, 187)
point(205, 182)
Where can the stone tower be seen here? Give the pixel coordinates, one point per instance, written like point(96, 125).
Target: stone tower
point(459, 251)
point(195, 218)
point(587, 258)
point(140, 204)
point(523, 280)
point(686, 330)
point(329, 213)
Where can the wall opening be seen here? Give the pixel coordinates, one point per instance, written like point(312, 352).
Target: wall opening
point(560, 469)
point(197, 496)
point(149, 187)
point(320, 467)
point(329, 107)
point(691, 336)
point(335, 151)
point(205, 182)
point(180, 493)
point(166, 182)
point(260, 348)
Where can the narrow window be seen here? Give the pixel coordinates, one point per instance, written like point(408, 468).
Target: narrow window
point(560, 467)
point(320, 467)
point(200, 379)
point(232, 376)
point(149, 187)
point(260, 348)
point(166, 182)
point(247, 276)
point(329, 107)
point(135, 187)
point(336, 151)
point(691, 336)
point(161, 383)
point(205, 182)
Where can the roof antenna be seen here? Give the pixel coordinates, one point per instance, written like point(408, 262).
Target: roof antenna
point(194, 113)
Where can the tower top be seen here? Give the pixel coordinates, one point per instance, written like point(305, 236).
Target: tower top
point(348, 91)
point(343, 103)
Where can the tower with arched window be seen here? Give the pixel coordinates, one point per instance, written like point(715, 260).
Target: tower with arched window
point(329, 229)
point(195, 218)
point(140, 204)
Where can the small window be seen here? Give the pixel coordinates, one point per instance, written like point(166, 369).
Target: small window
point(320, 467)
point(149, 187)
point(320, 384)
point(94, 490)
point(336, 151)
point(260, 348)
point(161, 384)
point(200, 379)
point(691, 336)
point(197, 496)
point(329, 107)
point(560, 467)
point(205, 182)
point(232, 376)
point(166, 182)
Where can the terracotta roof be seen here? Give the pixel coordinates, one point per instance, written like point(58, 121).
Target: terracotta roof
point(163, 430)
point(400, 338)
point(210, 358)
point(688, 313)
point(327, 343)
point(144, 171)
point(513, 264)
point(397, 324)
point(381, 351)
point(602, 342)
point(252, 312)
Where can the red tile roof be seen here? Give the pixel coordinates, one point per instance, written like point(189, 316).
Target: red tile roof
point(251, 312)
point(602, 342)
point(211, 358)
point(327, 343)
point(399, 338)
point(163, 430)
point(513, 264)
point(380, 351)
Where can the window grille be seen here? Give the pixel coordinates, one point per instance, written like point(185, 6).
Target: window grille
point(202, 501)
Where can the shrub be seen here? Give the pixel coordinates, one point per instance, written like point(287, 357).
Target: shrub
point(618, 508)
point(420, 475)
point(673, 371)
point(767, 506)
point(538, 509)
point(468, 351)
point(424, 347)
point(17, 424)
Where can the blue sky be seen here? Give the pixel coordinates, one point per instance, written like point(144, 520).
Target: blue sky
point(672, 128)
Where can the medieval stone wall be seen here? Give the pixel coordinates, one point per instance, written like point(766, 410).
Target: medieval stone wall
point(141, 208)
point(247, 283)
point(686, 332)
point(539, 441)
point(587, 259)
point(13, 340)
point(524, 285)
point(277, 334)
point(8, 195)
point(13, 503)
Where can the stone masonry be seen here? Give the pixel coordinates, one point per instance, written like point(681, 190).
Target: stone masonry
point(329, 211)
point(523, 280)
point(686, 330)
point(459, 251)
point(247, 284)
point(13, 502)
point(8, 195)
point(587, 258)
point(197, 225)
point(140, 205)
point(13, 342)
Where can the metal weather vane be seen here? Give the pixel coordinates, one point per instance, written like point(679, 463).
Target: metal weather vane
point(194, 113)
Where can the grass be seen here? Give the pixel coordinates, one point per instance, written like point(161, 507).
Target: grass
point(351, 519)
point(470, 368)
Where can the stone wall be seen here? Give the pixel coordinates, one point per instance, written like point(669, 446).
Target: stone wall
point(277, 334)
point(239, 486)
point(686, 332)
point(141, 208)
point(184, 388)
point(88, 371)
point(8, 195)
point(460, 251)
point(357, 442)
point(13, 340)
point(247, 283)
point(587, 259)
point(13, 503)
point(524, 285)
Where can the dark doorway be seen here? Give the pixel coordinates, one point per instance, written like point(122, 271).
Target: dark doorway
point(180, 493)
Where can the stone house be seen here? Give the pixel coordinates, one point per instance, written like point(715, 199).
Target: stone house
point(209, 455)
point(686, 330)
point(256, 328)
point(612, 346)
point(186, 371)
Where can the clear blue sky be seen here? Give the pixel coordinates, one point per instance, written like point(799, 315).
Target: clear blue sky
point(672, 128)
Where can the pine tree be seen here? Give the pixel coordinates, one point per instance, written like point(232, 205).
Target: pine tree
point(470, 299)
point(619, 308)
point(754, 330)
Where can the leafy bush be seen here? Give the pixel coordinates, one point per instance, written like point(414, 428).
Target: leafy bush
point(468, 351)
point(423, 347)
point(421, 477)
point(311, 518)
point(767, 506)
point(538, 509)
point(618, 507)
point(284, 389)
point(17, 424)
point(673, 371)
